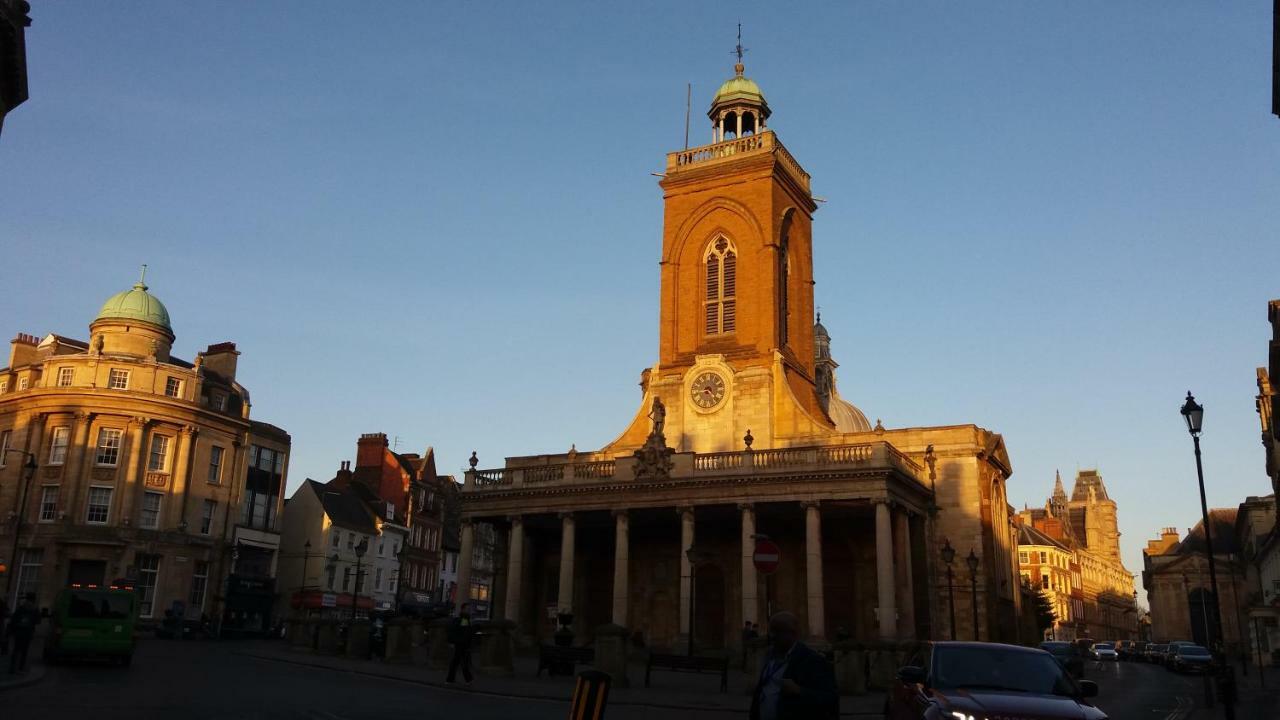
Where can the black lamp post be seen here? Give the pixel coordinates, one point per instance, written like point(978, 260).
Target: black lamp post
point(30, 467)
point(355, 593)
point(972, 562)
point(948, 557)
point(1193, 413)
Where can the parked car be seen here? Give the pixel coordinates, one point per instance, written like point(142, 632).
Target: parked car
point(1105, 652)
point(948, 679)
point(1192, 659)
point(1138, 652)
point(1153, 652)
point(1067, 654)
point(1171, 651)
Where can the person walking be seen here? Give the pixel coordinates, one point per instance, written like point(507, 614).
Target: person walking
point(22, 626)
point(460, 634)
point(795, 682)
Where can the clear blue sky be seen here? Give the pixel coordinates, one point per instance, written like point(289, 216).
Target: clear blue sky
point(438, 220)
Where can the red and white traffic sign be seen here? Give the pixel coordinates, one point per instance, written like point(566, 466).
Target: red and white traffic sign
point(767, 556)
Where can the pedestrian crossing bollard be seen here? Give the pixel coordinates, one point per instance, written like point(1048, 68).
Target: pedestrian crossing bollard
point(590, 695)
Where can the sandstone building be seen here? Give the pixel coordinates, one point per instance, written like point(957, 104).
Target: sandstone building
point(1086, 524)
point(741, 432)
point(149, 468)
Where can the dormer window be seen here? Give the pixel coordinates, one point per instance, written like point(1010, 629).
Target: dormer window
point(65, 376)
point(173, 387)
point(218, 401)
point(720, 304)
point(118, 379)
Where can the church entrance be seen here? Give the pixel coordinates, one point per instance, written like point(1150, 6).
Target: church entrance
point(709, 610)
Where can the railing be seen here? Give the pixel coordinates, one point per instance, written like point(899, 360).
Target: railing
point(719, 150)
point(690, 465)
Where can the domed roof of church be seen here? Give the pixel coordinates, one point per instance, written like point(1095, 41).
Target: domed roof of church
point(847, 417)
point(819, 330)
point(135, 304)
point(739, 90)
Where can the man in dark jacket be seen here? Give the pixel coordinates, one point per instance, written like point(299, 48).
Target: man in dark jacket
point(460, 632)
point(795, 683)
point(22, 626)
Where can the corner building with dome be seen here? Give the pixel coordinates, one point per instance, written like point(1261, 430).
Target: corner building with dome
point(741, 432)
point(147, 469)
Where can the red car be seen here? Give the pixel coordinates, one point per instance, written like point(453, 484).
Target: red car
point(972, 681)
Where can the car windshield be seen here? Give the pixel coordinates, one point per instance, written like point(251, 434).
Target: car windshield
point(1057, 648)
point(1102, 646)
point(1193, 650)
point(999, 668)
point(99, 606)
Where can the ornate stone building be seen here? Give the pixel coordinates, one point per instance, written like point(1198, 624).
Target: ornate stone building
point(1049, 566)
point(741, 433)
point(1086, 524)
point(1176, 575)
point(148, 467)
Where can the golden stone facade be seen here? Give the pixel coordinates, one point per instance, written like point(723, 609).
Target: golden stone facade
point(148, 469)
point(741, 433)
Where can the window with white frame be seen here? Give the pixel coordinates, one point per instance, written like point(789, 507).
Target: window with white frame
point(336, 536)
point(4, 385)
point(199, 582)
point(151, 502)
point(215, 465)
point(351, 541)
point(49, 503)
point(159, 459)
point(346, 579)
point(206, 517)
point(5, 436)
point(58, 445)
point(24, 383)
point(720, 304)
point(99, 505)
point(148, 577)
point(377, 578)
point(172, 387)
point(1022, 557)
point(108, 454)
point(118, 379)
point(29, 572)
point(65, 376)
point(218, 401)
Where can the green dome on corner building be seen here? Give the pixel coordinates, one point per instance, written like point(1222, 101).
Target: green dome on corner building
point(136, 304)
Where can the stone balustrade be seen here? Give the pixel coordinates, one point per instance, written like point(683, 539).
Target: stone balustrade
point(765, 142)
point(693, 466)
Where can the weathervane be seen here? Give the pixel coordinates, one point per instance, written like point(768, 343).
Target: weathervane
point(739, 50)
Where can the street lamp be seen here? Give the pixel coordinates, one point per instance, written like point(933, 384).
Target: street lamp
point(30, 467)
point(355, 595)
point(1193, 413)
point(948, 557)
point(972, 562)
point(306, 555)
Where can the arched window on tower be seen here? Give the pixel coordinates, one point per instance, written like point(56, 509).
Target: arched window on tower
point(720, 305)
point(784, 280)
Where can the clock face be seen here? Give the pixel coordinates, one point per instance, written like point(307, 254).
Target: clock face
point(707, 390)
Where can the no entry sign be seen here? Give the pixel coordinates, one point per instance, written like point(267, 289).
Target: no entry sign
point(767, 556)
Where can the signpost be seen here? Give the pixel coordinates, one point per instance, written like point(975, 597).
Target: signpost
point(766, 559)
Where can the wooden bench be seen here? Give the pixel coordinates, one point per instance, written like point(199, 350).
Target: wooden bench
point(550, 656)
point(688, 663)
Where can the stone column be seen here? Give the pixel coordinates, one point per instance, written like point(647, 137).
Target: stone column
point(813, 569)
point(133, 480)
point(686, 575)
point(177, 500)
point(564, 598)
point(74, 474)
point(884, 571)
point(739, 118)
point(750, 584)
point(621, 566)
point(515, 570)
point(465, 552)
point(902, 568)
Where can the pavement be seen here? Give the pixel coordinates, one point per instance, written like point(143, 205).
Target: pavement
point(1140, 691)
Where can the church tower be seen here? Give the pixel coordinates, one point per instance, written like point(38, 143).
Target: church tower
point(736, 347)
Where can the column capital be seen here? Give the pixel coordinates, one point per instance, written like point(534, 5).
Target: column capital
point(565, 516)
point(747, 507)
point(81, 415)
point(516, 520)
point(190, 430)
point(683, 510)
point(620, 512)
point(466, 520)
point(806, 504)
point(140, 420)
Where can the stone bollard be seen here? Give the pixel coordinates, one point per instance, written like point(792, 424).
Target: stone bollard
point(883, 667)
point(358, 640)
point(438, 643)
point(418, 642)
point(850, 669)
point(496, 650)
point(611, 652)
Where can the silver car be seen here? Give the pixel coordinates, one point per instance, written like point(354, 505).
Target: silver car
point(1105, 651)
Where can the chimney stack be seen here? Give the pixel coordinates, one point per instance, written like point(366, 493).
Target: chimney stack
point(369, 450)
point(221, 358)
point(22, 350)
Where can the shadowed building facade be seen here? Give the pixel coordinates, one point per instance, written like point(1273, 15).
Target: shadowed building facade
point(741, 432)
point(150, 469)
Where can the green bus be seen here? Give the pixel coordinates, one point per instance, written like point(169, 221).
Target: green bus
point(92, 621)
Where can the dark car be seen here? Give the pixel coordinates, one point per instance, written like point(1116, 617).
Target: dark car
point(949, 679)
point(1171, 651)
point(1066, 653)
point(1192, 659)
point(1154, 652)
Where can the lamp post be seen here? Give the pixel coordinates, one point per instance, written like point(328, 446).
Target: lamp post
point(30, 467)
point(972, 562)
point(948, 557)
point(1193, 413)
point(355, 593)
point(306, 555)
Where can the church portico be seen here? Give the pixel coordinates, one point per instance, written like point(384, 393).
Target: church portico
point(612, 550)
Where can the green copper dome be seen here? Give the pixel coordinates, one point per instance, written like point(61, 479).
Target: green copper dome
point(135, 304)
point(738, 88)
